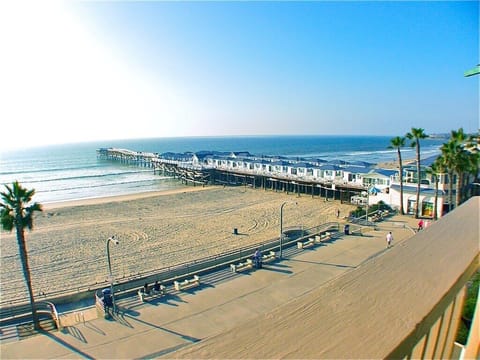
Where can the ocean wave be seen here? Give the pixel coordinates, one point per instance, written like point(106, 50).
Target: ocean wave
point(90, 176)
point(104, 191)
point(47, 170)
point(378, 152)
point(379, 156)
point(101, 185)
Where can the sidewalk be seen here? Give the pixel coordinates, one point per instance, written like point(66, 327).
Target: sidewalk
point(160, 327)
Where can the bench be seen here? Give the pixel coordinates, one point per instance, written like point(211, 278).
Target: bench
point(306, 244)
point(153, 293)
point(357, 231)
point(248, 264)
point(266, 258)
point(360, 231)
point(187, 283)
point(322, 237)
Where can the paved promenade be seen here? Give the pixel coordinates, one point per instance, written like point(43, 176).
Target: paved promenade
point(162, 326)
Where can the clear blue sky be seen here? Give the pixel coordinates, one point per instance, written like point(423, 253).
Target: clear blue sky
point(80, 71)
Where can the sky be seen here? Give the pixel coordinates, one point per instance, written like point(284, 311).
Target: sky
point(80, 71)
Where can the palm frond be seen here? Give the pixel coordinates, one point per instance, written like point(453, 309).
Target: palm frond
point(7, 219)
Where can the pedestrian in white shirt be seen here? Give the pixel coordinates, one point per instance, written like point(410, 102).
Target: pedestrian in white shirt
point(389, 239)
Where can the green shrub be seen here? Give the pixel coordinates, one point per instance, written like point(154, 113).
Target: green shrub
point(468, 308)
point(360, 210)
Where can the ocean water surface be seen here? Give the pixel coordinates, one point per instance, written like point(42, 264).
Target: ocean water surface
point(72, 171)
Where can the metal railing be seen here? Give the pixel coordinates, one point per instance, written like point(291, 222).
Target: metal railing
point(54, 313)
point(23, 312)
point(15, 309)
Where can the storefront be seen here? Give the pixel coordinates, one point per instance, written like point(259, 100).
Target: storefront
point(428, 207)
point(411, 205)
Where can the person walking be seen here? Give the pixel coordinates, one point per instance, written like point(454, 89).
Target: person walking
point(389, 239)
point(420, 225)
point(257, 259)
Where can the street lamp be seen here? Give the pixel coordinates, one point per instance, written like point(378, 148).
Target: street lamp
point(115, 241)
point(367, 194)
point(281, 225)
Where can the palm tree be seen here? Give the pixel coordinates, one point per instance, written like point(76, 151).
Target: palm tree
point(449, 149)
point(415, 135)
point(461, 160)
point(397, 143)
point(17, 212)
point(437, 168)
point(461, 163)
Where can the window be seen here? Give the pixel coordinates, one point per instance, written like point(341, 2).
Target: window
point(427, 209)
point(411, 206)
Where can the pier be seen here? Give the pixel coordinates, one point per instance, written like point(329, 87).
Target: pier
point(311, 177)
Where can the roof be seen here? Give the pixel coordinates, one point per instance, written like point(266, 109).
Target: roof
point(240, 154)
point(330, 167)
point(384, 172)
point(205, 153)
point(302, 165)
point(413, 190)
point(176, 156)
point(281, 163)
point(338, 162)
point(318, 160)
point(356, 169)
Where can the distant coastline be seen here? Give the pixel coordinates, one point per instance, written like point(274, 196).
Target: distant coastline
point(439, 136)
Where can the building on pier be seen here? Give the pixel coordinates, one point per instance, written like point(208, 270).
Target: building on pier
point(336, 179)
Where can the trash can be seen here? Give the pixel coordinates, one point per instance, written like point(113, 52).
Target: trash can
point(347, 229)
point(235, 231)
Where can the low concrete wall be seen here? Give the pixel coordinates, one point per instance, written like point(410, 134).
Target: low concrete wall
point(166, 275)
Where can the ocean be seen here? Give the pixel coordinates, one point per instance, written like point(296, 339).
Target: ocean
point(72, 171)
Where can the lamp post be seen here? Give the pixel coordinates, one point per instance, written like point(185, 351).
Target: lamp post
point(368, 200)
point(281, 225)
point(115, 241)
point(366, 208)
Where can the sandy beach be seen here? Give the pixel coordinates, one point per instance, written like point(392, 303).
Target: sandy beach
point(155, 230)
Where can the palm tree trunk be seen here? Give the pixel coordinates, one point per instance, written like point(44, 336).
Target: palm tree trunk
point(418, 181)
point(459, 186)
point(26, 273)
point(401, 180)
point(450, 191)
point(435, 204)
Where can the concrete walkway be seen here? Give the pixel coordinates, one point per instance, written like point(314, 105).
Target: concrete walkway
point(160, 327)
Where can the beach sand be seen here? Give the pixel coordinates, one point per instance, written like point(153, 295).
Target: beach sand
point(394, 164)
point(67, 247)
